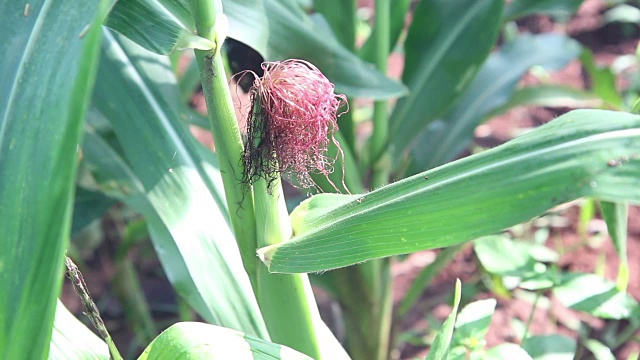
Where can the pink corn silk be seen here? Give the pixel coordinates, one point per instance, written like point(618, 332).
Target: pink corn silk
point(297, 116)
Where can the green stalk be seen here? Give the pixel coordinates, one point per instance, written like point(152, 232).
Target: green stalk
point(286, 300)
point(226, 134)
point(126, 283)
point(425, 277)
point(375, 337)
point(368, 320)
point(364, 293)
point(380, 158)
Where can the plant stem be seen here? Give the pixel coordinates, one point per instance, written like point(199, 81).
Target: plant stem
point(226, 135)
point(369, 327)
point(530, 319)
point(286, 301)
point(380, 160)
point(129, 292)
point(367, 320)
point(425, 277)
point(89, 306)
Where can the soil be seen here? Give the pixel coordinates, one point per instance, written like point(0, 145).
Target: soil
point(580, 253)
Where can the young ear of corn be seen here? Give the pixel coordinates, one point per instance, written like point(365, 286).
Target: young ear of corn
point(286, 301)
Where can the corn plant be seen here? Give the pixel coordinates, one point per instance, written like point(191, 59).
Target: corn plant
point(93, 115)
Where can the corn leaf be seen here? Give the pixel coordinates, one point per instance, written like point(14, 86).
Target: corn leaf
point(48, 64)
point(520, 8)
point(491, 89)
point(446, 44)
point(166, 25)
point(192, 340)
point(163, 173)
point(341, 17)
point(590, 153)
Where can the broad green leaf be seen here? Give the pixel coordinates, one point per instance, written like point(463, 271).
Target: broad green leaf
point(341, 16)
point(192, 340)
point(294, 35)
point(520, 8)
point(552, 96)
point(48, 64)
point(440, 347)
point(561, 161)
point(502, 256)
point(491, 89)
point(159, 25)
point(446, 44)
point(399, 9)
point(71, 339)
point(165, 175)
point(596, 296)
point(88, 206)
point(473, 323)
point(505, 351)
point(164, 26)
point(546, 347)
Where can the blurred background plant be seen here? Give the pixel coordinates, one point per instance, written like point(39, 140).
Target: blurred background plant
point(154, 217)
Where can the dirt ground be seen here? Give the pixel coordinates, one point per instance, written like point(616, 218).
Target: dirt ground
point(578, 254)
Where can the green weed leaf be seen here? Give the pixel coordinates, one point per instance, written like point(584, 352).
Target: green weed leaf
point(558, 347)
point(594, 295)
point(440, 347)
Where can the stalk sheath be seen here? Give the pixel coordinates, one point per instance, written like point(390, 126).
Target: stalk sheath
point(286, 300)
point(226, 135)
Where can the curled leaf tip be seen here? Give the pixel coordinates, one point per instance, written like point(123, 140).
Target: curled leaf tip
point(265, 253)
